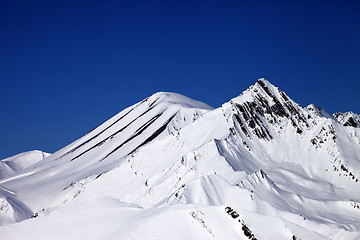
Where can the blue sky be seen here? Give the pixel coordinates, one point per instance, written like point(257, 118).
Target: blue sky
point(67, 66)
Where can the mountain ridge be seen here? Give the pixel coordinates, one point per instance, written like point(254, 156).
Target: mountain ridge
point(260, 153)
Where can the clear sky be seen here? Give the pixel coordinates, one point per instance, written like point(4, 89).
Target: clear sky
point(67, 66)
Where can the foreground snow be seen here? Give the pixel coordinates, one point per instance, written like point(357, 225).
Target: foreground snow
point(169, 167)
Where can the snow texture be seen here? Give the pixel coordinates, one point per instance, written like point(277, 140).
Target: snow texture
point(258, 167)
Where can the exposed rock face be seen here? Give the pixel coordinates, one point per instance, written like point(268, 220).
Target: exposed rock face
point(348, 119)
point(263, 107)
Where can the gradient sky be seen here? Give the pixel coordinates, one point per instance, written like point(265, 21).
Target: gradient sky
point(67, 66)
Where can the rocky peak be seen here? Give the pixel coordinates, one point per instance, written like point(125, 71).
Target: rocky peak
point(263, 107)
point(348, 119)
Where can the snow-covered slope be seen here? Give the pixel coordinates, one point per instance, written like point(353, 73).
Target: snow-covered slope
point(10, 166)
point(258, 167)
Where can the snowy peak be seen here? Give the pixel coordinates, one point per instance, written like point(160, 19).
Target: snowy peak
point(263, 107)
point(348, 119)
point(317, 111)
point(104, 148)
point(155, 116)
point(177, 99)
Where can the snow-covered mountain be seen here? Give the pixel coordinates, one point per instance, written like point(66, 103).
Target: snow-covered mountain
point(258, 167)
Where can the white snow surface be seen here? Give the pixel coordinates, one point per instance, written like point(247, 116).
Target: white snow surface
point(258, 167)
point(10, 166)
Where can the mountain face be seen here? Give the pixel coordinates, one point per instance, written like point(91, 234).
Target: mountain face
point(348, 119)
point(258, 167)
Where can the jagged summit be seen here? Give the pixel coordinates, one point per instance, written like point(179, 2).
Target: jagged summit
point(225, 173)
point(264, 88)
point(262, 105)
point(348, 119)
